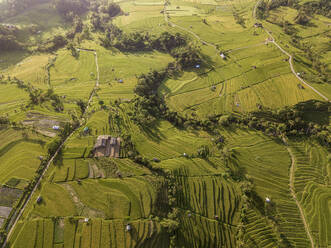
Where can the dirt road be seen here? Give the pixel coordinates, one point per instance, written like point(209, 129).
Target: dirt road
point(19, 214)
point(293, 194)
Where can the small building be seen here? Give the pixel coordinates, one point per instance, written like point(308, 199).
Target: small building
point(300, 86)
point(185, 155)
point(267, 199)
point(223, 56)
point(56, 127)
point(156, 160)
point(39, 200)
point(197, 66)
point(107, 146)
point(128, 228)
point(258, 25)
point(86, 220)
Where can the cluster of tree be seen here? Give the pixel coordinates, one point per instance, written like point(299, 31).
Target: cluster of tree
point(37, 97)
point(4, 120)
point(174, 44)
point(102, 14)
point(239, 19)
point(13, 7)
point(289, 122)
point(265, 6)
point(305, 11)
point(136, 41)
point(8, 38)
point(320, 7)
point(148, 106)
point(71, 8)
point(53, 44)
point(82, 105)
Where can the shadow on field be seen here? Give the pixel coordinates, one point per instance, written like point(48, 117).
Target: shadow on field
point(153, 132)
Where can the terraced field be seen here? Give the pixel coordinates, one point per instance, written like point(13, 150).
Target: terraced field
point(184, 176)
point(96, 232)
point(16, 161)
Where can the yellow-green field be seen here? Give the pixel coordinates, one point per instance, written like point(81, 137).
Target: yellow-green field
point(244, 191)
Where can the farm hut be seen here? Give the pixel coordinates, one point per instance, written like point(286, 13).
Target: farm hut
point(56, 127)
point(120, 80)
point(223, 56)
point(300, 86)
point(86, 129)
point(107, 146)
point(86, 220)
point(157, 160)
point(258, 25)
point(254, 67)
point(298, 73)
point(216, 217)
point(197, 66)
point(41, 158)
point(128, 228)
point(267, 199)
point(213, 88)
point(39, 200)
point(185, 155)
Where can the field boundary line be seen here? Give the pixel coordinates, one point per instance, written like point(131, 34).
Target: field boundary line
point(293, 194)
point(19, 214)
point(290, 60)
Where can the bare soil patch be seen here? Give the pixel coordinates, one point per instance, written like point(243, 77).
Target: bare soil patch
point(8, 196)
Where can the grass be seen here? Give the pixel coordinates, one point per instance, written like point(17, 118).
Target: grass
point(20, 163)
point(123, 197)
point(32, 70)
point(208, 200)
point(51, 206)
point(12, 99)
point(72, 77)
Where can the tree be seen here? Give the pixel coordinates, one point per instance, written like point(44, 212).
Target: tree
point(203, 151)
point(73, 50)
point(302, 18)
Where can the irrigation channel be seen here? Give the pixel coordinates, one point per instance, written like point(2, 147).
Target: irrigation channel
point(19, 212)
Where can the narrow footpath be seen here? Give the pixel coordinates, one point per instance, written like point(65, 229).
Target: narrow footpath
point(293, 194)
point(20, 212)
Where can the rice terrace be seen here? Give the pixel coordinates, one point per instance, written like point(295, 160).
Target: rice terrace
point(172, 123)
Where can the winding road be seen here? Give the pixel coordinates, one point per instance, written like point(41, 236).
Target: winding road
point(290, 60)
point(19, 213)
